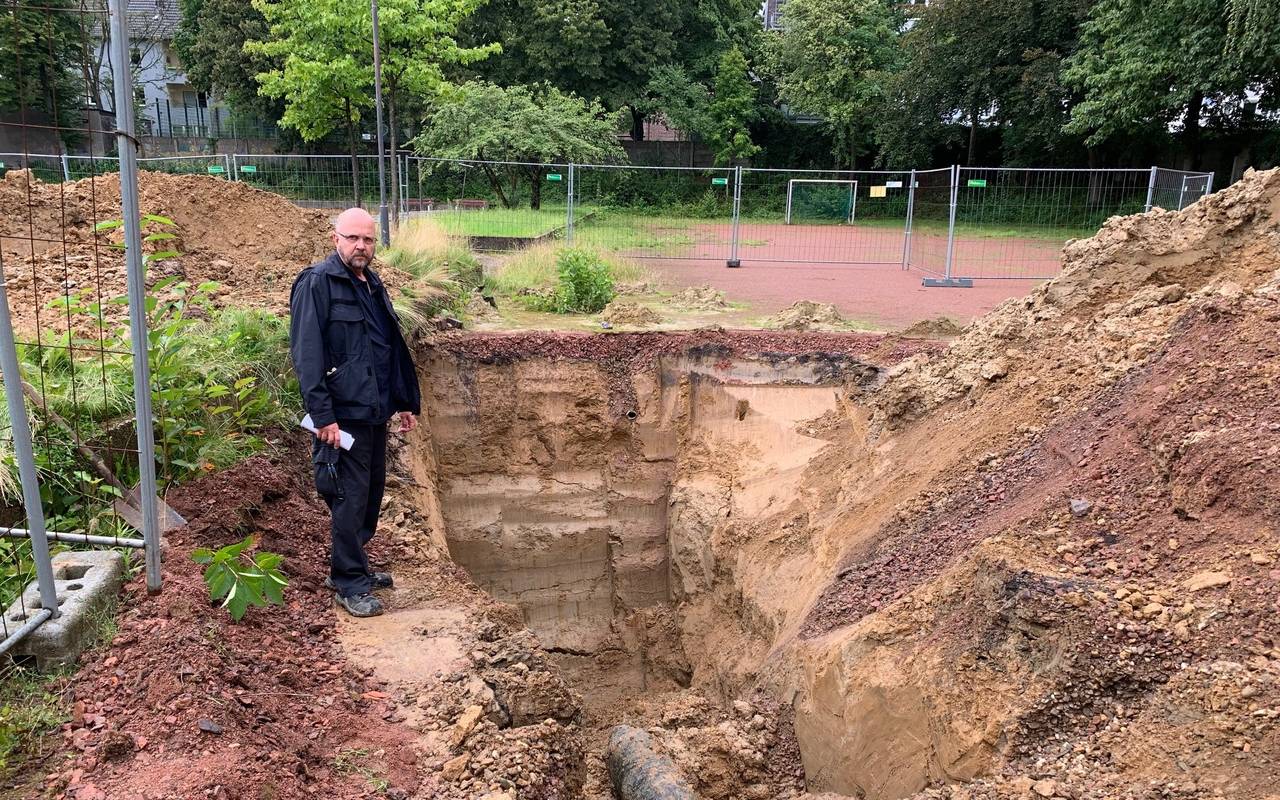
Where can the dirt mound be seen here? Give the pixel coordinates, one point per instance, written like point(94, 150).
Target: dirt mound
point(699, 298)
point(251, 242)
point(479, 310)
point(624, 312)
point(1110, 309)
point(1078, 565)
point(932, 329)
point(806, 315)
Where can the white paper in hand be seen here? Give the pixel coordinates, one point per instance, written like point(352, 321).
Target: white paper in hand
point(345, 440)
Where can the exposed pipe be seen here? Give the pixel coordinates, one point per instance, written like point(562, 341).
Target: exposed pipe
point(638, 772)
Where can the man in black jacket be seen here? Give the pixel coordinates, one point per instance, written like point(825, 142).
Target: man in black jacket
point(355, 373)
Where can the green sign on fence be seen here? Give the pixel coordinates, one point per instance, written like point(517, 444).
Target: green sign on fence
point(250, 168)
point(719, 181)
point(554, 176)
point(977, 183)
point(216, 170)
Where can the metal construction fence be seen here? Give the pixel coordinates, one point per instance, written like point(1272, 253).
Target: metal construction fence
point(955, 224)
point(76, 436)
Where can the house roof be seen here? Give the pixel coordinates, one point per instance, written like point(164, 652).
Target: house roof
point(153, 19)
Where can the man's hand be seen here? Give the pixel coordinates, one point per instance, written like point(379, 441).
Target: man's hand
point(407, 422)
point(329, 434)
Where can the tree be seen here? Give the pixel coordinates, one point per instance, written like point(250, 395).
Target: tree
point(997, 61)
point(832, 59)
point(1150, 64)
point(732, 110)
point(610, 51)
point(324, 52)
point(416, 39)
point(534, 125)
point(210, 42)
point(38, 51)
point(684, 103)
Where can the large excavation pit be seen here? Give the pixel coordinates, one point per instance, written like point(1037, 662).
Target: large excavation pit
point(598, 483)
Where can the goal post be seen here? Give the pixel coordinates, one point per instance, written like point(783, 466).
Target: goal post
point(851, 194)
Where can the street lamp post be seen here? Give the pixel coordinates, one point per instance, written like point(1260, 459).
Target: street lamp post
point(384, 219)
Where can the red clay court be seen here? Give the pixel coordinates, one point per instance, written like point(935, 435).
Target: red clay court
point(859, 269)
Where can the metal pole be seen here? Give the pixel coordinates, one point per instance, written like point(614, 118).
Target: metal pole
point(384, 218)
point(226, 166)
point(78, 538)
point(1208, 185)
point(235, 167)
point(24, 454)
point(137, 293)
point(734, 260)
point(911, 210)
point(66, 168)
point(1151, 187)
point(568, 224)
point(787, 221)
point(951, 222)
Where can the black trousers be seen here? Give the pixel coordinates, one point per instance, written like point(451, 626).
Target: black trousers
point(351, 483)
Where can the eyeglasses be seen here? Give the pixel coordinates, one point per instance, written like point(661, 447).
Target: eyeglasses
point(368, 241)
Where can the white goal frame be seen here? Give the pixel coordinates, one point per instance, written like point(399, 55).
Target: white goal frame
point(853, 193)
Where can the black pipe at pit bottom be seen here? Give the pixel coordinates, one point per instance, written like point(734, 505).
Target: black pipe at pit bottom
point(639, 772)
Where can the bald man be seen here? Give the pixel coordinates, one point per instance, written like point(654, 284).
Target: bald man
point(355, 373)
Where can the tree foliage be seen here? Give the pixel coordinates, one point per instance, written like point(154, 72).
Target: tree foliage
point(608, 51)
point(1144, 64)
point(976, 61)
point(210, 41)
point(833, 59)
point(732, 109)
point(38, 51)
point(483, 121)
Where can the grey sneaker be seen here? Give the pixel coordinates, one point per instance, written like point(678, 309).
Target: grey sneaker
point(360, 605)
point(380, 580)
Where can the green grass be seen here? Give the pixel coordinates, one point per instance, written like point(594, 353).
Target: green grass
point(515, 222)
point(534, 270)
point(609, 229)
point(33, 705)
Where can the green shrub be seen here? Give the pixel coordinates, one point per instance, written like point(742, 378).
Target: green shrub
point(584, 285)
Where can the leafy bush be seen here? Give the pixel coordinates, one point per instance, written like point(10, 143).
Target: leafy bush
point(584, 285)
point(240, 581)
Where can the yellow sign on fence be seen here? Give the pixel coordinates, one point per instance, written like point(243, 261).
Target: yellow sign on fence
point(877, 191)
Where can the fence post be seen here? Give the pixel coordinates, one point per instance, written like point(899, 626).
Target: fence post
point(24, 454)
point(568, 223)
point(235, 167)
point(1208, 185)
point(1151, 187)
point(66, 168)
point(951, 222)
point(137, 293)
point(911, 210)
point(734, 260)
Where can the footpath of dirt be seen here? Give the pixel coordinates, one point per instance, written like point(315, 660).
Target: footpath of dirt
point(250, 241)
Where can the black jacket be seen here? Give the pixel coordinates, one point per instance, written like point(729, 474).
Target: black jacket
point(332, 353)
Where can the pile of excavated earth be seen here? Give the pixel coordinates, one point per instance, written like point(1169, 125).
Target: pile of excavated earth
point(250, 242)
point(1039, 561)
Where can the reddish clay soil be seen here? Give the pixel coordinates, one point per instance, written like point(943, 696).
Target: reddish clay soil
point(641, 348)
point(184, 703)
point(885, 297)
point(858, 269)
